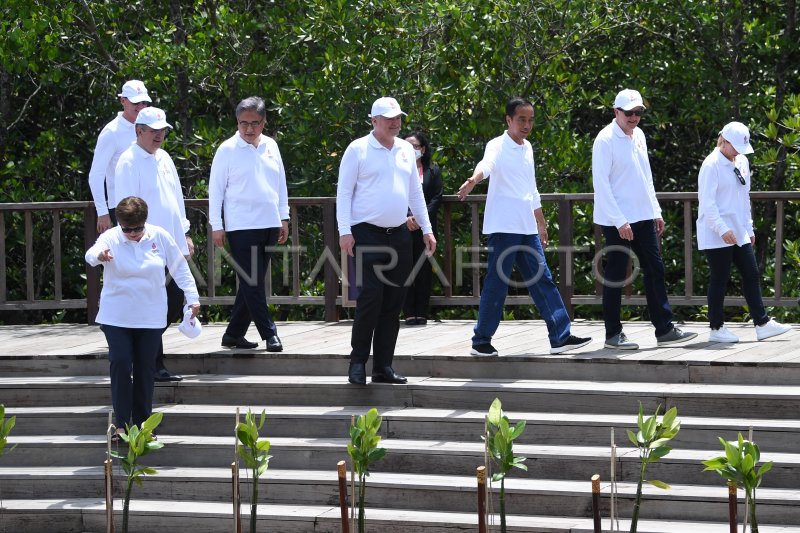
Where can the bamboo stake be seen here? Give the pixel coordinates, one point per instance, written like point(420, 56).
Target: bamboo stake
point(747, 496)
point(732, 521)
point(109, 480)
point(236, 494)
point(596, 503)
point(341, 469)
point(481, 499)
point(614, 520)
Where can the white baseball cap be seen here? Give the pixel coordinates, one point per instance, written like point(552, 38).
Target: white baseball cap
point(189, 326)
point(738, 135)
point(135, 92)
point(386, 106)
point(627, 99)
point(153, 117)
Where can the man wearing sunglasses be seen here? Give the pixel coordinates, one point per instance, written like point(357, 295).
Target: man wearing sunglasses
point(114, 139)
point(626, 208)
point(146, 171)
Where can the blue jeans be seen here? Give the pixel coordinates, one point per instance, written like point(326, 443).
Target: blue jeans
point(618, 254)
point(719, 263)
point(525, 251)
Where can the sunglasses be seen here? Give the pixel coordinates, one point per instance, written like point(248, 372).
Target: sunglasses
point(137, 229)
point(739, 175)
point(631, 112)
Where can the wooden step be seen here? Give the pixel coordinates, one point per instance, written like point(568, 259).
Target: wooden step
point(88, 514)
point(405, 491)
point(582, 429)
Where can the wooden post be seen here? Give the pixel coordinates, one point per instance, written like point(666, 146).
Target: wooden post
point(598, 528)
point(732, 520)
point(341, 469)
point(236, 495)
point(481, 499)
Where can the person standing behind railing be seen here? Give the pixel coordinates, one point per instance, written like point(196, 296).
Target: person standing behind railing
point(248, 182)
point(148, 172)
point(418, 295)
point(517, 231)
point(725, 232)
point(626, 208)
point(114, 139)
point(133, 304)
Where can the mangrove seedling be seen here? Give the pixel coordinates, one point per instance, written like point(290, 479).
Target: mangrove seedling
point(140, 443)
point(254, 454)
point(364, 451)
point(739, 465)
point(500, 444)
point(651, 440)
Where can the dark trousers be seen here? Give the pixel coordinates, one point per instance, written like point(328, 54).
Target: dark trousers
point(719, 264)
point(383, 262)
point(418, 294)
point(132, 354)
point(251, 249)
point(175, 300)
point(618, 253)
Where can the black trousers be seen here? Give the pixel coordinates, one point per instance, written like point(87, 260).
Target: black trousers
point(418, 295)
point(175, 301)
point(720, 261)
point(383, 262)
point(251, 249)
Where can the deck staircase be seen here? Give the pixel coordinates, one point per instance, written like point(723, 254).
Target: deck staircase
point(53, 480)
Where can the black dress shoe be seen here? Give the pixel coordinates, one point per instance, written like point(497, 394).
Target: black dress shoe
point(357, 374)
point(162, 374)
point(388, 375)
point(274, 344)
point(229, 341)
point(421, 321)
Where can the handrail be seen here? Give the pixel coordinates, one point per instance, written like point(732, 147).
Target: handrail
point(449, 259)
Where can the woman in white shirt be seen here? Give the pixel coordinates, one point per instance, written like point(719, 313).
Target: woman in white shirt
point(725, 232)
point(133, 304)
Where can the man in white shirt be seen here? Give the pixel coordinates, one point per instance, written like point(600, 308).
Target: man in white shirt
point(147, 171)
point(248, 182)
point(114, 139)
point(378, 182)
point(626, 208)
point(517, 230)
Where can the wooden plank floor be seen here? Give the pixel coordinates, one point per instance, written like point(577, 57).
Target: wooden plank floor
point(448, 338)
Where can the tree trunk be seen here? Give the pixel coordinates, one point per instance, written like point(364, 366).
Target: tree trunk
point(181, 76)
point(638, 501)
point(362, 492)
point(254, 502)
point(503, 505)
point(126, 505)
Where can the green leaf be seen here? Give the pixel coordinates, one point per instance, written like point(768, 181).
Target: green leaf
point(659, 484)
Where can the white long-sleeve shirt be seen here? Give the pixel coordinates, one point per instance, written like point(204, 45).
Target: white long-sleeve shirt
point(114, 139)
point(134, 291)
point(377, 185)
point(622, 179)
point(724, 201)
point(249, 184)
point(154, 179)
point(513, 196)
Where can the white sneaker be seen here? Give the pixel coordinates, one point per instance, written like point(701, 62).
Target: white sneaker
point(722, 334)
point(771, 329)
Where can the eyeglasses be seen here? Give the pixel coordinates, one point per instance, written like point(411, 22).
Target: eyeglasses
point(252, 124)
point(631, 112)
point(739, 175)
point(137, 229)
point(148, 129)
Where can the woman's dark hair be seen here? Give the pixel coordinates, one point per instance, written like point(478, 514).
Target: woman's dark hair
point(131, 211)
point(423, 141)
point(514, 103)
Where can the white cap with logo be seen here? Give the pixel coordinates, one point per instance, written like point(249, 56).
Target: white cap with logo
point(628, 99)
point(153, 117)
point(135, 92)
point(386, 106)
point(738, 135)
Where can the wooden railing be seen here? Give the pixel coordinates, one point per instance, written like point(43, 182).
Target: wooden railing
point(450, 259)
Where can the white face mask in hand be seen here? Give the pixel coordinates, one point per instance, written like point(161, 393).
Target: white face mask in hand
point(418, 153)
point(190, 327)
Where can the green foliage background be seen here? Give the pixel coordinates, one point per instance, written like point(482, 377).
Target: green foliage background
point(450, 63)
